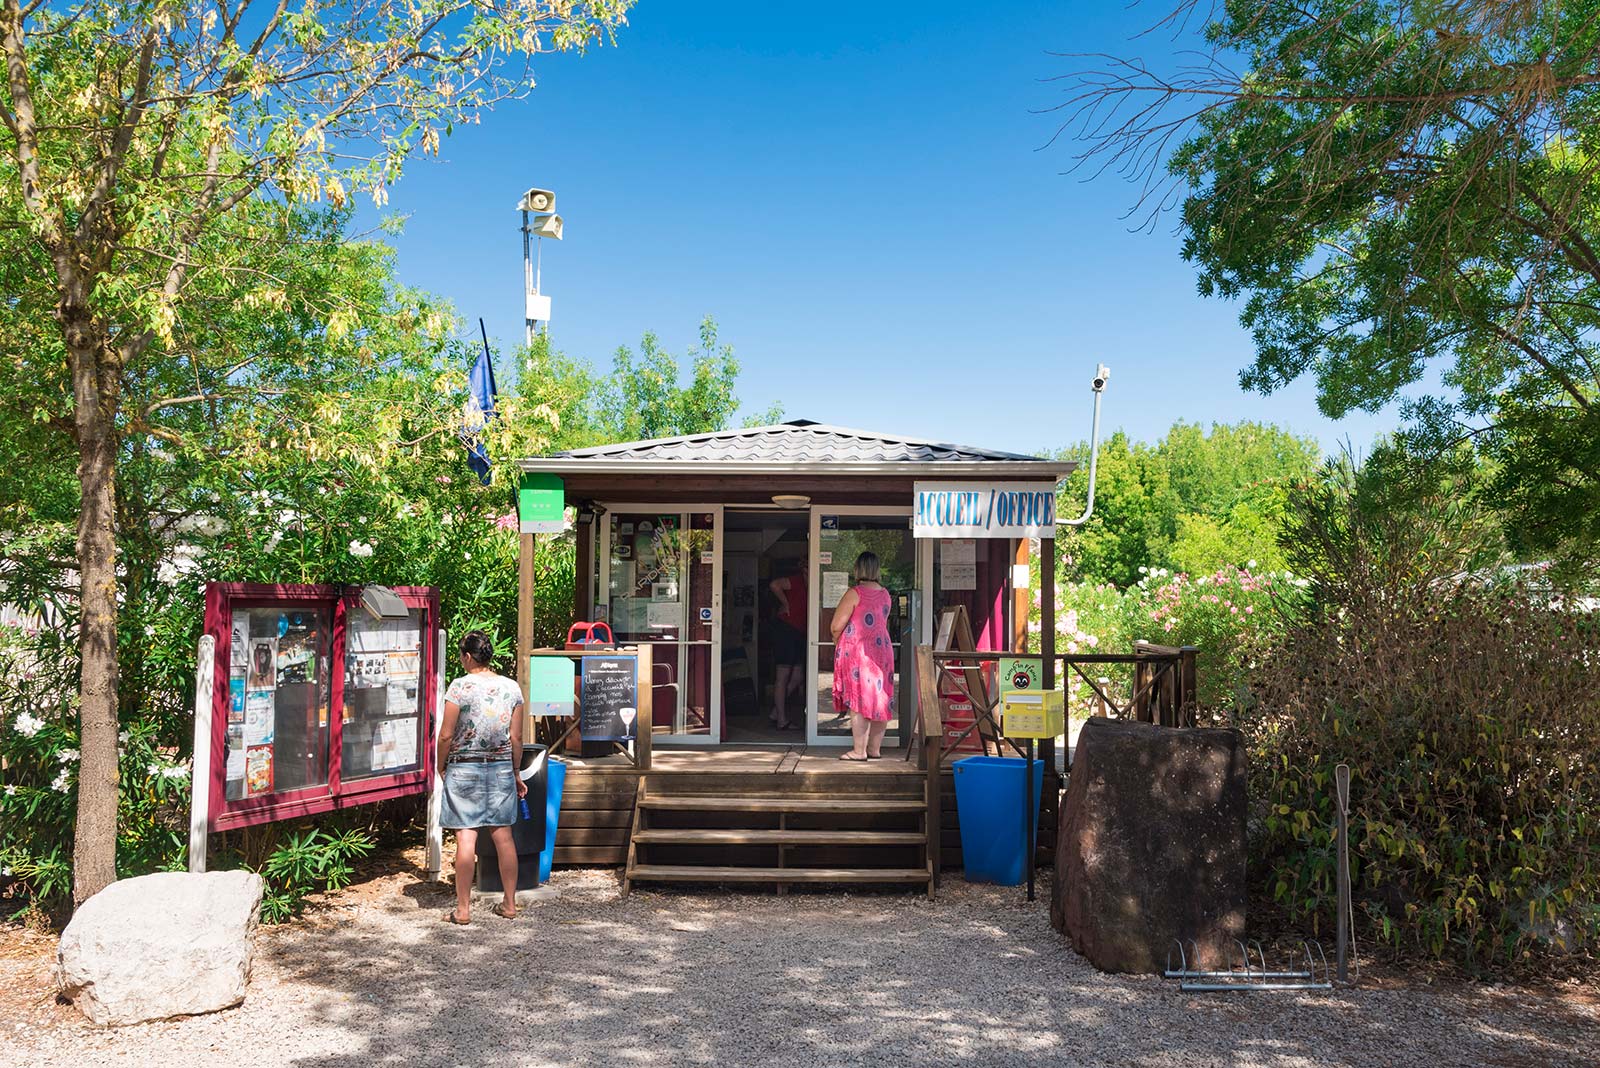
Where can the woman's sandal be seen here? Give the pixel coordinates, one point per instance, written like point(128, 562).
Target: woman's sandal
point(851, 759)
point(450, 917)
point(499, 910)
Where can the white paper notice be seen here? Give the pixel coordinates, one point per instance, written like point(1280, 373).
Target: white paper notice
point(834, 583)
point(662, 615)
point(958, 564)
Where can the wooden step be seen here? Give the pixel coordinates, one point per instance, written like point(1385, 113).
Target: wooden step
point(675, 803)
point(699, 836)
point(688, 873)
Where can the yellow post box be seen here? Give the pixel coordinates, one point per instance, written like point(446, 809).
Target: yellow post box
point(1032, 713)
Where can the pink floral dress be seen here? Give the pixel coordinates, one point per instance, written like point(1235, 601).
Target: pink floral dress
point(863, 659)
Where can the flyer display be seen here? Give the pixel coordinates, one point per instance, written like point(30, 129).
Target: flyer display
point(323, 704)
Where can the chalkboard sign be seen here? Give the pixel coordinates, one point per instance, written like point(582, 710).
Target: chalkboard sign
point(610, 684)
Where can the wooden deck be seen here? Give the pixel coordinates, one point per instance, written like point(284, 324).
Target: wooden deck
point(598, 802)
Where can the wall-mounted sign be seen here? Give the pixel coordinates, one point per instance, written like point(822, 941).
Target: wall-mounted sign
point(984, 510)
point(541, 504)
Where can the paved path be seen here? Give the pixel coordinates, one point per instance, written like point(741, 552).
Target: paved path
point(975, 979)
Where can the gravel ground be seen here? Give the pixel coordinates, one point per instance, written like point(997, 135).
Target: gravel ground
point(713, 978)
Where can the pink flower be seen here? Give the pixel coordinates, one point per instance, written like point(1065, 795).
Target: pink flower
point(507, 521)
point(1248, 609)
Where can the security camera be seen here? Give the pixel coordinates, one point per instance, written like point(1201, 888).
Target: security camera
point(548, 226)
point(540, 200)
point(1101, 374)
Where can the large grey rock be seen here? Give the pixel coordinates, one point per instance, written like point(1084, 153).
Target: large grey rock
point(171, 944)
point(1151, 845)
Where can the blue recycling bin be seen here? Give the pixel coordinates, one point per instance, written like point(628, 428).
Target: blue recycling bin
point(555, 781)
point(994, 843)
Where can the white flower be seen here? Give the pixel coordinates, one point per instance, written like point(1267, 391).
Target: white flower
point(1143, 569)
point(11, 791)
point(59, 784)
point(28, 724)
point(272, 542)
point(175, 773)
point(360, 548)
point(122, 737)
point(67, 756)
point(1250, 565)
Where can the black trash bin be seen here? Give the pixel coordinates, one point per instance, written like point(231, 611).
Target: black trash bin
point(527, 833)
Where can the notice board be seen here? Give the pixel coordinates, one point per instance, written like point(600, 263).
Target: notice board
point(609, 685)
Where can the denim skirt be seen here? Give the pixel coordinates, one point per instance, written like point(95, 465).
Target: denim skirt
point(478, 795)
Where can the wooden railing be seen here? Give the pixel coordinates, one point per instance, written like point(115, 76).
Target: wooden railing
point(1163, 688)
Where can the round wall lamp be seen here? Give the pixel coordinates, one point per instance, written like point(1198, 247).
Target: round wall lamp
point(791, 500)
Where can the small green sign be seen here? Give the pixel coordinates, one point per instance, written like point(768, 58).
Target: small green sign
point(1021, 673)
point(551, 685)
point(541, 504)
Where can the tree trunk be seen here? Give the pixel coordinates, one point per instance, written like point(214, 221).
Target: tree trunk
point(96, 389)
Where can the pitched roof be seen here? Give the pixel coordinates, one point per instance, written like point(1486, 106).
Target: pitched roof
point(798, 442)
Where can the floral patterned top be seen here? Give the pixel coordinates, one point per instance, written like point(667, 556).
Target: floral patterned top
point(487, 702)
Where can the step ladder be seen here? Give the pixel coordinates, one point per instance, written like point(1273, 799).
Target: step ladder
point(767, 832)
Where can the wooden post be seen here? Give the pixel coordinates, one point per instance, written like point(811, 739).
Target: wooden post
point(1021, 603)
point(1189, 685)
point(527, 547)
point(1139, 712)
point(205, 673)
point(1050, 800)
point(644, 730)
point(932, 756)
point(433, 863)
point(583, 581)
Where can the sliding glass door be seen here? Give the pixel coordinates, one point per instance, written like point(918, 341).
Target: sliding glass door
point(838, 536)
point(661, 583)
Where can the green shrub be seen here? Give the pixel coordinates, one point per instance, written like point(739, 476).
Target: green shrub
point(1464, 696)
point(307, 862)
point(1468, 719)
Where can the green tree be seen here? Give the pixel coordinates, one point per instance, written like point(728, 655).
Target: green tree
point(643, 396)
point(146, 153)
point(1195, 501)
point(1130, 527)
point(1401, 194)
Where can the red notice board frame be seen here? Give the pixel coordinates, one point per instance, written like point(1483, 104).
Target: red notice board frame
point(340, 601)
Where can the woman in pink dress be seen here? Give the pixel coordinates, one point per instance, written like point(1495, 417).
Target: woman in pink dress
point(863, 660)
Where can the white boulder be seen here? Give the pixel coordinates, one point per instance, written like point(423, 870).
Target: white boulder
point(157, 946)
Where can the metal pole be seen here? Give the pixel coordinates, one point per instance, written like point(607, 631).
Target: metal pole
point(205, 670)
point(527, 278)
point(1027, 816)
point(1341, 783)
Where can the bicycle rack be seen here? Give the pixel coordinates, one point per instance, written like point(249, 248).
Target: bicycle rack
point(1247, 969)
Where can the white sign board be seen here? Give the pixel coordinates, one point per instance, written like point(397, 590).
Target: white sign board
point(984, 510)
point(958, 564)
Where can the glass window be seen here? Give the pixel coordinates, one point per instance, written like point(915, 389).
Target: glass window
point(647, 577)
point(382, 719)
point(278, 728)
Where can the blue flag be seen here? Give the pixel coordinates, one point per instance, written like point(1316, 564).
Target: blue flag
point(478, 410)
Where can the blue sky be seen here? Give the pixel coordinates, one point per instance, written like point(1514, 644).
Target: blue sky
point(860, 195)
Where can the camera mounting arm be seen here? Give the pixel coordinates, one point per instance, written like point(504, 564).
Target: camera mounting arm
point(1101, 374)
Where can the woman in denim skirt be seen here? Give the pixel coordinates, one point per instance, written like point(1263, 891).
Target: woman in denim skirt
point(480, 743)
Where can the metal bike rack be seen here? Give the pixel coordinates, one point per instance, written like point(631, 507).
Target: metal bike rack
point(1247, 969)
